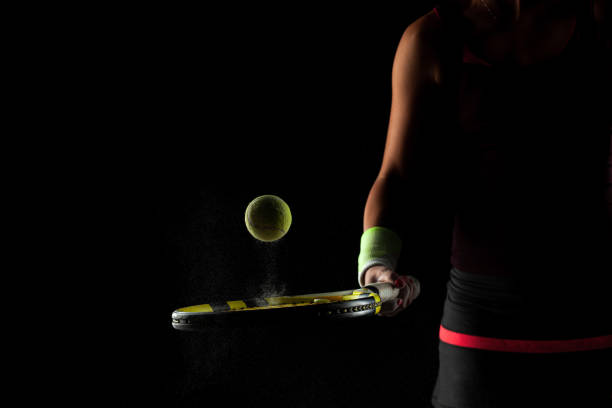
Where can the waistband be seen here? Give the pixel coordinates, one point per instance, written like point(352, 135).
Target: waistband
point(518, 309)
point(524, 346)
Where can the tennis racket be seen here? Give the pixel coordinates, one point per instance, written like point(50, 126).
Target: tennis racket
point(331, 306)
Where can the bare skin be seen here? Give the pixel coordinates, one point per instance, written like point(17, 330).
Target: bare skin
point(523, 33)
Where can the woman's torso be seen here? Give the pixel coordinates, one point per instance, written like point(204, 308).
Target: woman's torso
point(532, 147)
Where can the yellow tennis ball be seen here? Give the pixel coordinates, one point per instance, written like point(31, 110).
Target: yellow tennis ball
point(268, 218)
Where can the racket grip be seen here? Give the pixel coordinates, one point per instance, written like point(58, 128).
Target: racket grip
point(386, 291)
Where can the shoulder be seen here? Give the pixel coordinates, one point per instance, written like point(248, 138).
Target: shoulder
point(423, 45)
point(602, 14)
point(601, 10)
point(426, 27)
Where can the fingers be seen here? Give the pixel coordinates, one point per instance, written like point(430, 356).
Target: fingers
point(404, 299)
point(405, 283)
point(392, 308)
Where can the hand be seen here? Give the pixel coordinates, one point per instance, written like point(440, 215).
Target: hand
point(379, 273)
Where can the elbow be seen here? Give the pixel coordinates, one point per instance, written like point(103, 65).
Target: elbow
point(393, 175)
point(390, 183)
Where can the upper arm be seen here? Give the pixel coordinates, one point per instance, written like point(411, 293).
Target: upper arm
point(414, 83)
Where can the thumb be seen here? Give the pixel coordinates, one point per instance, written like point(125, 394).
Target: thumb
point(380, 273)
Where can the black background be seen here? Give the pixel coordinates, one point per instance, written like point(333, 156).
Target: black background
point(227, 104)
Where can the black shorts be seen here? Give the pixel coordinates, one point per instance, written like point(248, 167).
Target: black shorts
point(486, 307)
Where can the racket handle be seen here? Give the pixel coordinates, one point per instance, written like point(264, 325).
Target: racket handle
point(415, 288)
point(387, 291)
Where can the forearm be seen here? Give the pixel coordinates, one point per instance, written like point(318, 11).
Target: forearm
point(418, 208)
point(385, 202)
point(400, 202)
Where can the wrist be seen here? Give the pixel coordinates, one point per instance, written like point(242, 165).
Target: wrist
point(380, 246)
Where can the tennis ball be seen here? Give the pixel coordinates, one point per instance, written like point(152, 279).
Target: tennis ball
point(268, 218)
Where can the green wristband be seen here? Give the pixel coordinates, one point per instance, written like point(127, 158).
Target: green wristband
point(379, 246)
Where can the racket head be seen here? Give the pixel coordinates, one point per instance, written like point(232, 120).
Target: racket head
point(280, 310)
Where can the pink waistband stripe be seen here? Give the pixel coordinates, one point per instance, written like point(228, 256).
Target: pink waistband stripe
point(524, 346)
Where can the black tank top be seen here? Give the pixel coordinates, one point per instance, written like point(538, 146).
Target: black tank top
point(531, 169)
